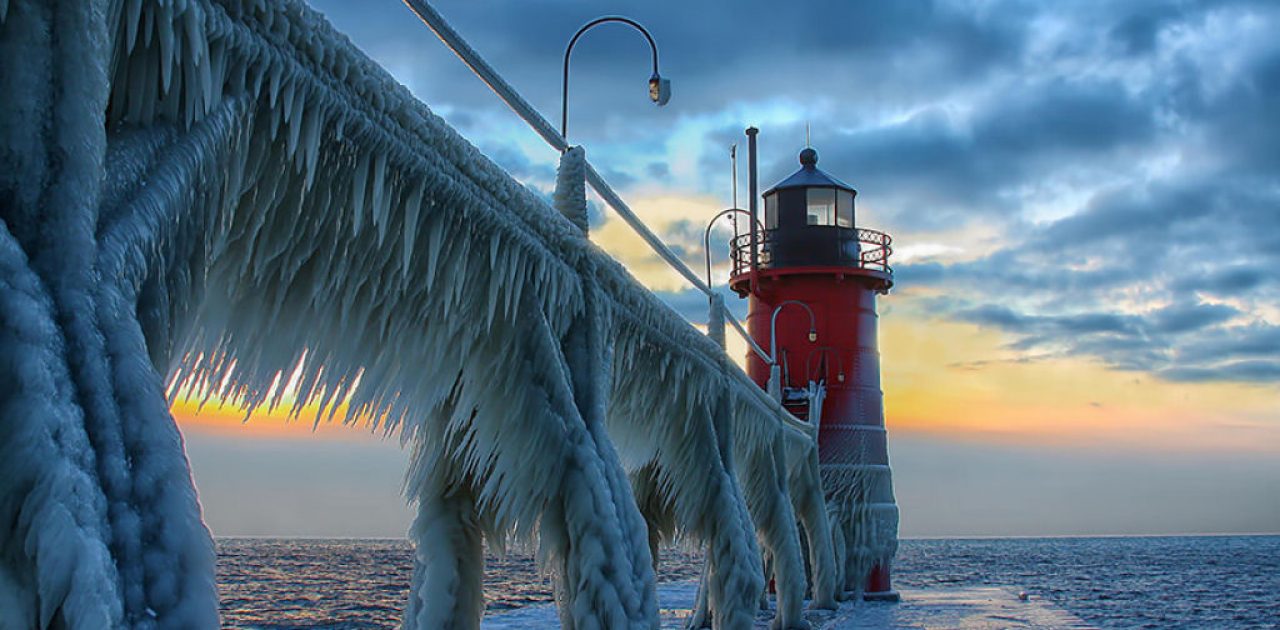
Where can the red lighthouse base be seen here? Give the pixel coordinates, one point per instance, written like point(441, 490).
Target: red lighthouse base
point(878, 588)
point(838, 347)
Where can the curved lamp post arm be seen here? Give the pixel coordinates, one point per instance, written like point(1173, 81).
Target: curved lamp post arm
point(775, 379)
point(659, 88)
point(711, 296)
point(706, 235)
point(773, 328)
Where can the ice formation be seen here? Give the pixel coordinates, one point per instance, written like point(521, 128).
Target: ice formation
point(220, 192)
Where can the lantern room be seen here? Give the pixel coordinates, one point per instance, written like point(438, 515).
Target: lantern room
point(809, 222)
point(809, 219)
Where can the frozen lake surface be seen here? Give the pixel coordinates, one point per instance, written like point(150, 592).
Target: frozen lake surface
point(1228, 582)
point(978, 608)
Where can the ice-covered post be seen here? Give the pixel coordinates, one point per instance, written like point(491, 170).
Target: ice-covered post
point(715, 320)
point(571, 187)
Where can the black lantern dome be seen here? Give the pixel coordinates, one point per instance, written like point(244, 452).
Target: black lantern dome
point(809, 219)
point(810, 175)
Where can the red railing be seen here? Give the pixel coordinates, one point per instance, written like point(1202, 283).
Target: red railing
point(872, 250)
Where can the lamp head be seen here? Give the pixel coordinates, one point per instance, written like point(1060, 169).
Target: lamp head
point(659, 90)
point(813, 335)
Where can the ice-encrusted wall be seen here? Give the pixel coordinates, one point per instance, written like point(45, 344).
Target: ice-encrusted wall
point(217, 192)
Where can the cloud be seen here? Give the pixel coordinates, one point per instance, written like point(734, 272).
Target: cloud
point(1181, 318)
point(940, 167)
point(1183, 342)
point(1227, 344)
point(1246, 371)
point(1231, 280)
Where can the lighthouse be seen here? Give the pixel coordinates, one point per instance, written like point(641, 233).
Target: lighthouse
point(811, 275)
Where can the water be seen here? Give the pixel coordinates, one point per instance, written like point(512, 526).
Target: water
point(1158, 582)
point(1227, 582)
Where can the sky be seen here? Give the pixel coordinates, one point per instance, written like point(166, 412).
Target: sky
point(1084, 335)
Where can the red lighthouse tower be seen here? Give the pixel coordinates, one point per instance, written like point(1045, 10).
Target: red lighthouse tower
point(812, 277)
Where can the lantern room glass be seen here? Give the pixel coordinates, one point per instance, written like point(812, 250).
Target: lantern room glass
point(844, 208)
point(771, 212)
point(821, 204)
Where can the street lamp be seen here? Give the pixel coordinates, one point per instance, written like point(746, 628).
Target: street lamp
point(775, 375)
point(706, 235)
point(659, 88)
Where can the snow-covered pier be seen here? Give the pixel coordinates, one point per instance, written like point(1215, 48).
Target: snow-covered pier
point(221, 193)
point(977, 608)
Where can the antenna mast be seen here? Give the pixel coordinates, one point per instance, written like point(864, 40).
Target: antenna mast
point(733, 157)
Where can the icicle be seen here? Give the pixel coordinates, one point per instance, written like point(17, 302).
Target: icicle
point(358, 192)
point(133, 19)
point(295, 111)
point(275, 118)
point(311, 142)
point(379, 187)
point(288, 104)
point(494, 243)
point(435, 237)
point(167, 57)
point(148, 26)
point(512, 294)
point(491, 305)
point(273, 91)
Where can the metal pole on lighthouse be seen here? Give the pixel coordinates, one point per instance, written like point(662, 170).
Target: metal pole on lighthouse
point(806, 248)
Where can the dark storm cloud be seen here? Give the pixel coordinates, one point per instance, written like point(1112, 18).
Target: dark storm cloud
point(692, 304)
point(1189, 317)
point(1226, 282)
point(917, 274)
point(1050, 327)
point(515, 162)
point(1247, 371)
point(1063, 287)
point(1241, 342)
point(717, 53)
point(1153, 341)
point(1136, 33)
point(937, 169)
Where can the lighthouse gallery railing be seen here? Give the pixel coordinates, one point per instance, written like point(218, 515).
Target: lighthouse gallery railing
point(861, 248)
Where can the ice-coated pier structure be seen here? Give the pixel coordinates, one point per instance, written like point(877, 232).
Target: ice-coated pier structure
point(219, 193)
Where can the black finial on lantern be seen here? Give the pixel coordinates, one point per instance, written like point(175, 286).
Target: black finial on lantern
point(809, 157)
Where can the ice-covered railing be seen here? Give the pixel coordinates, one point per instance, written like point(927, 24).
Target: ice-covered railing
point(521, 107)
